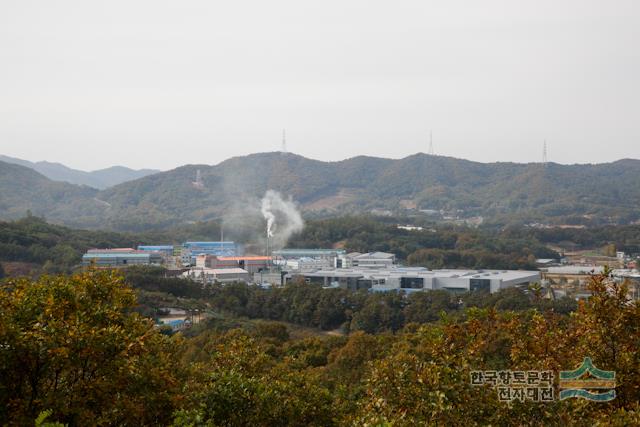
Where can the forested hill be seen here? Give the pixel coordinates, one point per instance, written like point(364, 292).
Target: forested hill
point(505, 192)
point(23, 189)
point(360, 184)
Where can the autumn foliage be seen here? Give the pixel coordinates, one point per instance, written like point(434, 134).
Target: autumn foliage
point(73, 345)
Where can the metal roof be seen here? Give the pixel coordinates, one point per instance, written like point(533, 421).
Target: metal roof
point(209, 244)
point(283, 252)
point(115, 255)
point(244, 258)
point(222, 271)
point(422, 272)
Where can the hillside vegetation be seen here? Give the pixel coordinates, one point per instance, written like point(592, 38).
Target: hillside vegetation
point(77, 352)
point(55, 248)
point(500, 192)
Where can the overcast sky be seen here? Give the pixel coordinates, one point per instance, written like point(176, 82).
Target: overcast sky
point(160, 83)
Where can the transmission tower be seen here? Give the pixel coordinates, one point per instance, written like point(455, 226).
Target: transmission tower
point(544, 153)
point(198, 183)
point(430, 152)
point(284, 142)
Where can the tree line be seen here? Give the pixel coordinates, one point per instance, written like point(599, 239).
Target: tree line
point(74, 351)
point(311, 305)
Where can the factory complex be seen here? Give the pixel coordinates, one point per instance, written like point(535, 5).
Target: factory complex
point(222, 262)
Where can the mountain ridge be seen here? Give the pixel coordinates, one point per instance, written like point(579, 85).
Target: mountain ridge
point(500, 191)
point(99, 178)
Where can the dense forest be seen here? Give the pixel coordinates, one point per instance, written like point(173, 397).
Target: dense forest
point(625, 238)
point(76, 351)
point(56, 248)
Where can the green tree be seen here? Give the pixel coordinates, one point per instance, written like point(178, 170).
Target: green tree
point(239, 384)
point(609, 250)
point(381, 312)
point(424, 307)
point(608, 326)
point(72, 344)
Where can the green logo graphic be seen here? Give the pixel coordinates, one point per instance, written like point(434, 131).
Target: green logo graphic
point(572, 385)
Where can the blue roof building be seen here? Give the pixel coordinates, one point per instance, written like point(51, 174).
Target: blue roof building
point(163, 249)
point(193, 249)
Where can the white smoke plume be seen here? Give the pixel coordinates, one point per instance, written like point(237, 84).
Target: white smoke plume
point(282, 216)
point(267, 214)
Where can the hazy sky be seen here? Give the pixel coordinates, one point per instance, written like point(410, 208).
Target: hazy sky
point(162, 83)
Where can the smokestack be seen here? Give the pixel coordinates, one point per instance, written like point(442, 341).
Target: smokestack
point(267, 249)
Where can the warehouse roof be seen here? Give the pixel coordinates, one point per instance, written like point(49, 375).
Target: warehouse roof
point(575, 269)
point(420, 271)
point(384, 255)
point(221, 271)
point(116, 255)
point(308, 252)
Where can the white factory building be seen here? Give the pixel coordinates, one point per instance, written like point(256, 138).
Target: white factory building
point(307, 259)
point(412, 279)
point(367, 260)
point(218, 275)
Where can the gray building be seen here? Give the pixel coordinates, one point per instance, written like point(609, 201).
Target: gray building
point(118, 258)
point(368, 260)
point(420, 279)
point(218, 275)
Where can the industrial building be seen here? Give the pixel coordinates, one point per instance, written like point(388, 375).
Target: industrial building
point(412, 279)
point(323, 257)
point(252, 264)
point(303, 264)
point(572, 280)
point(192, 249)
point(218, 275)
point(120, 257)
point(165, 250)
point(303, 259)
point(308, 253)
point(368, 260)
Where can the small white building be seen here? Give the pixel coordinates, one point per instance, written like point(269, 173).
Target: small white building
point(218, 275)
point(303, 264)
point(368, 260)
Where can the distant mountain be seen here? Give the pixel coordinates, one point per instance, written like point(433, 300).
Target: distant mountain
point(500, 192)
point(100, 179)
point(23, 189)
